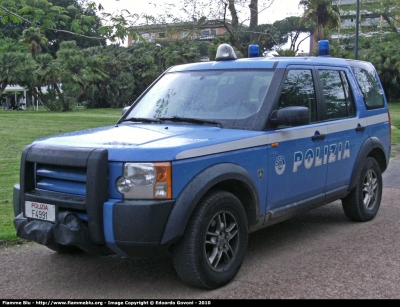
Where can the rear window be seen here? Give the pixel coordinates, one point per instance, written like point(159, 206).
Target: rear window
point(370, 87)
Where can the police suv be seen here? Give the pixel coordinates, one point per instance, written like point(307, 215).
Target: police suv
point(209, 153)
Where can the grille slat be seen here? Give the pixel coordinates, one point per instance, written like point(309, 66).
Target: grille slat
point(73, 174)
point(62, 186)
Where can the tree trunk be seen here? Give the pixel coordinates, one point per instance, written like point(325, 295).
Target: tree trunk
point(253, 21)
point(66, 106)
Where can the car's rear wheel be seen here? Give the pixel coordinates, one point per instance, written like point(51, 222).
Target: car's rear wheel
point(363, 202)
point(212, 250)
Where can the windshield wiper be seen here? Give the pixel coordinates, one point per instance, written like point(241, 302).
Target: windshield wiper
point(191, 120)
point(141, 119)
point(172, 119)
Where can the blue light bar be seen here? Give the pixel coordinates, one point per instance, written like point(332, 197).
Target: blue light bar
point(254, 51)
point(323, 48)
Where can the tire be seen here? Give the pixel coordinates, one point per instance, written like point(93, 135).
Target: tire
point(213, 247)
point(363, 202)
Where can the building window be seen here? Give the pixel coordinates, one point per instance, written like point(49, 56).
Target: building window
point(214, 32)
point(205, 32)
point(372, 19)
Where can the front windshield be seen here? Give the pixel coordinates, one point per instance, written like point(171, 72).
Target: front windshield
point(208, 95)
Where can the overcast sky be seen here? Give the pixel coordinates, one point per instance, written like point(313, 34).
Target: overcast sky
point(279, 10)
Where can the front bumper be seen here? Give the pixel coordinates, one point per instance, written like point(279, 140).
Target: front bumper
point(75, 181)
point(69, 230)
point(131, 228)
point(137, 226)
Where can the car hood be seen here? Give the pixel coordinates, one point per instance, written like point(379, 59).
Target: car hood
point(156, 142)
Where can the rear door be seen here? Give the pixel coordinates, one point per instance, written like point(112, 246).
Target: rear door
point(346, 129)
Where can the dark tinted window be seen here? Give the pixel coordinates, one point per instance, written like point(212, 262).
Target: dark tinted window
point(298, 90)
point(370, 88)
point(337, 94)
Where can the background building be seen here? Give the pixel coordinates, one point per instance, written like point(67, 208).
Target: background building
point(204, 31)
point(374, 18)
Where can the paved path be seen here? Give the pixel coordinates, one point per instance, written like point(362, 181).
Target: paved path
point(318, 255)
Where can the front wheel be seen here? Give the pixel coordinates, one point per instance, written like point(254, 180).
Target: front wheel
point(212, 250)
point(363, 202)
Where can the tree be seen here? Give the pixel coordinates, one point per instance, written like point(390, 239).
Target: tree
point(78, 72)
point(178, 52)
point(83, 19)
point(324, 14)
point(111, 80)
point(378, 40)
point(34, 39)
point(57, 21)
point(285, 52)
point(10, 45)
point(386, 59)
point(46, 74)
point(238, 17)
point(291, 28)
point(236, 27)
point(10, 69)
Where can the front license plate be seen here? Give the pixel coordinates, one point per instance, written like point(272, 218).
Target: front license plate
point(40, 211)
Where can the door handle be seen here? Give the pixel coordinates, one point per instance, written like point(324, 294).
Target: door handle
point(318, 137)
point(360, 128)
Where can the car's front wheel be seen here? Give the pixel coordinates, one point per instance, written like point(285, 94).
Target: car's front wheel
point(212, 250)
point(363, 202)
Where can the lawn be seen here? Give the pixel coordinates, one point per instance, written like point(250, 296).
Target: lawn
point(394, 109)
point(20, 128)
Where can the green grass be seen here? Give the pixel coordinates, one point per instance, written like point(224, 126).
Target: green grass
point(394, 109)
point(20, 128)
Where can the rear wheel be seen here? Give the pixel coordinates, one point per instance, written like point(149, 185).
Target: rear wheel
point(212, 250)
point(363, 202)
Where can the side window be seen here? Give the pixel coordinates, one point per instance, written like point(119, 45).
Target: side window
point(338, 98)
point(370, 88)
point(298, 90)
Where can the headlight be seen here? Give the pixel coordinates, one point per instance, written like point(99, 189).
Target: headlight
point(145, 181)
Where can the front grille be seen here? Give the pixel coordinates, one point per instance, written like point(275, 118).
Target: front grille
point(70, 180)
point(73, 179)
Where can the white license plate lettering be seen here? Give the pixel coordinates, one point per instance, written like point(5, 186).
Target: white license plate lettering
point(40, 211)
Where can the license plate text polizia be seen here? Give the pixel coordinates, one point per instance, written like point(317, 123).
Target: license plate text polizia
point(40, 211)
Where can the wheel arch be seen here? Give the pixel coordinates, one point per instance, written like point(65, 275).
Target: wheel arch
point(372, 147)
point(379, 154)
point(225, 176)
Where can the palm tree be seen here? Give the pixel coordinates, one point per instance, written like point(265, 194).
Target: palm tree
point(323, 13)
point(47, 73)
point(10, 64)
point(34, 38)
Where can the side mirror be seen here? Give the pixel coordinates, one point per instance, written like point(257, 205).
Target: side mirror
point(290, 116)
